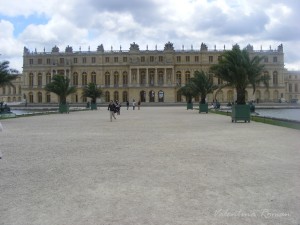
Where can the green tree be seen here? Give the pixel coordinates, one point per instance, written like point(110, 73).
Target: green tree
point(60, 85)
point(239, 70)
point(189, 91)
point(203, 85)
point(92, 91)
point(7, 75)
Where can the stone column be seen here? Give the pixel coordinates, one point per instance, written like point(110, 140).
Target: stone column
point(147, 77)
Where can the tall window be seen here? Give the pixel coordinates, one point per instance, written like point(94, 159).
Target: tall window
point(187, 76)
point(290, 88)
point(125, 78)
point(93, 77)
point(84, 78)
point(210, 58)
point(48, 78)
point(116, 79)
point(160, 58)
point(61, 60)
point(116, 59)
point(143, 59)
point(125, 96)
point(107, 59)
point(187, 58)
point(30, 95)
point(296, 87)
point(93, 59)
point(275, 78)
point(151, 58)
point(275, 59)
point(196, 58)
point(84, 60)
point(160, 77)
point(30, 61)
point(75, 60)
point(40, 80)
point(48, 98)
point(107, 79)
point(75, 79)
point(124, 59)
point(31, 80)
point(40, 61)
point(107, 96)
point(48, 61)
point(116, 96)
point(178, 78)
point(40, 97)
point(266, 59)
point(178, 58)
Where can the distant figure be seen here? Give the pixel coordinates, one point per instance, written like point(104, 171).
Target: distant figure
point(139, 104)
point(133, 104)
point(111, 108)
point(127, 104)
point(118, 107)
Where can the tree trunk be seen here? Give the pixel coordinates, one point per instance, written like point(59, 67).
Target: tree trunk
point(241, 96)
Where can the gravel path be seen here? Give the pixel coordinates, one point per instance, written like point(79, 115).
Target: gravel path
point(157, 165)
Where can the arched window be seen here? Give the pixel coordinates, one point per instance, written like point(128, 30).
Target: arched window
point(107, 79)
point(116, 79)
point(84, 78)
point(125, 79)
point(40, 97)
point(160, 77)
point(75, 79)
point(48, 97)
point(275, 78)
point(266, 75)
point(30, 95)
point(178, 96)
point(107, 96)
point(151, 77)
point(93, 78)
point(151, 96)
point(125, 96)
point(116, 96)
point(142, 96)
point(187, 76)
point(31, 80)
point(48, 78)
point(178, 79)
point(161, 96)
point(40, 80)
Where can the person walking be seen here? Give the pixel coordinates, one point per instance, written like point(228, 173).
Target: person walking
point(139, 104)
point(111, 108)
point(118, 107)
point(127, 104)
point(133, 104)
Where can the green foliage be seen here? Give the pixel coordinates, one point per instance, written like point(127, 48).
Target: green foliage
point(203, 85)
point(239, 70)
point(92, 91)
point(7, 75)
point(189, 91)
point(60, 85)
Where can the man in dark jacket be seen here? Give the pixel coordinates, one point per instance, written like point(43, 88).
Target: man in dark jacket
point(111, 108)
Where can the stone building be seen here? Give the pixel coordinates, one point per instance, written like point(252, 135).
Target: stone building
point(12, 93)
point(292, 81)
point(146, 75)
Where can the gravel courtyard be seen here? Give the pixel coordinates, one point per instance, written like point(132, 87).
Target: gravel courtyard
point(157, 165)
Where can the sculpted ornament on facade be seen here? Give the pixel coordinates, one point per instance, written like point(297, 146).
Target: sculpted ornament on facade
point(203, 47)
point(55, 49)
point(69, 49)
point(169, 47)
point(134, 47)
point(100, 48)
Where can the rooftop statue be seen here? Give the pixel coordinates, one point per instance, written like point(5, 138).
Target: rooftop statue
point(280, 48)
point(203, 47)
point(169, 47)
point(69, 49)
point(25, 51)
point(100, 48)
point(134, 47)
point(55, 49)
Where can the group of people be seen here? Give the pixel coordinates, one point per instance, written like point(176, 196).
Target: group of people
point(115, 107)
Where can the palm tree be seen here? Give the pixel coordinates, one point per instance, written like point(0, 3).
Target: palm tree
point(239, 71)
point(189, 91)
point(93, 92)
point(7, 75)
point(60, 85)
point(203, 85)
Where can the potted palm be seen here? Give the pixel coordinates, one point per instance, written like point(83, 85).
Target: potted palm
point(189, 92)
point(60, 85)
point(93, 92)
point(203, 85)
point(239, 70)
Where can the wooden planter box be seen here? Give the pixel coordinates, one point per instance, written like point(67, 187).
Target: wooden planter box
point(203, 108)
point(94, 106)
point(189, 106)
point(240, 112)
point(63, 108)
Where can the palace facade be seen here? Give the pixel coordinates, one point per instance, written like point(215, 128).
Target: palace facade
point(146, 75)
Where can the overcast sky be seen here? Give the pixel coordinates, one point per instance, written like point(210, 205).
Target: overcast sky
point(39, 24)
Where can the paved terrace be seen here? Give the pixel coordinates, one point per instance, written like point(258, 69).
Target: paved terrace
point(159, 165)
